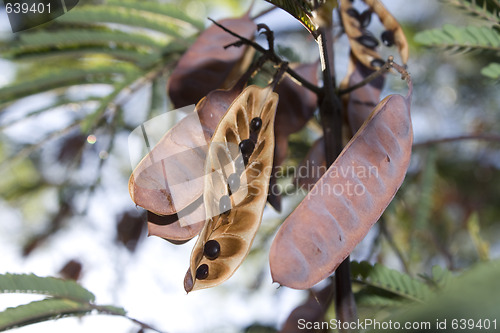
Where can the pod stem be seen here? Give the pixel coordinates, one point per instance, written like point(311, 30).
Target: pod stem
point(331, 121)
point(272, 56)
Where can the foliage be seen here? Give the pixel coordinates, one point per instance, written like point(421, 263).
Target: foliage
point(485, 37)
point(64, 298)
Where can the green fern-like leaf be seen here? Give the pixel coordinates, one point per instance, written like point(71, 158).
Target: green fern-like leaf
point(121, 15)
point(390, 280)
point(484, 9)
point(474, 295)
point(49, 80)
point(170, 10)
point(492, 71)
point(32, 284)
point(39, 311)
point(371, 298)
point(71, 38)
point(461, 38)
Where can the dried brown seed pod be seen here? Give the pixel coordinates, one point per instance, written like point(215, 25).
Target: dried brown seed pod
point(350, 197)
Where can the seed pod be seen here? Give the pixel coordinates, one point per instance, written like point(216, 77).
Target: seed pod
point(350, 197)
point(180, 154)
point(207, 66)
point(391, 24)
point(362, 48)
point(355, 31)
point(234, 231)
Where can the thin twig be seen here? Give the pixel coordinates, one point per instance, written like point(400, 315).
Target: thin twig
point(272, 56)
point(25, 152)
point(28, 116)
point(392, 244)
point(106, 310)
point(382, 70)
point(482, 137)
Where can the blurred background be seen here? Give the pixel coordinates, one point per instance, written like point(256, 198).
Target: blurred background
point(65, 210)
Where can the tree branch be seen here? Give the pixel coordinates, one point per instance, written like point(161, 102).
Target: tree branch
point(271, 56)
point(382, 70)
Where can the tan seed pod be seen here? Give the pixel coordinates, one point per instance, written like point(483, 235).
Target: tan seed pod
point(363, 44)
point(227, 236)
point(347, 200)
point(392, 25)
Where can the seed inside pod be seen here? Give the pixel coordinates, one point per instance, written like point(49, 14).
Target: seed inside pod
point(233, 182)
point(255, 125)
point(365, 18)
point(377, 63)
point(239, 164)
point(368, 41)
point(353, 13)
point(247, 146)
point(202, 272)
point(211, 249)
point(224, 204)
point(388, 37)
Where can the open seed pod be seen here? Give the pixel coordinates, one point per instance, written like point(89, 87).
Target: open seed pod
point(393, 35)
point(363, 43)
point(238, 168)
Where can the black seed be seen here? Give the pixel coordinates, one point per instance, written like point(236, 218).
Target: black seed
point(365, 18)
point(377, 63)
point(368, 41)
point(255, 124)
point(388, 37)
point(353, 13)
point(224, 204)
point(247, 146)
point(211, 249)
point(233, 181)
point(245, 159)
point(202, 272)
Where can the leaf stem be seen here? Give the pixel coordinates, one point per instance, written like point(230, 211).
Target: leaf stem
point(272, 56)
point(483, 137)
point(109, 311)
point(382, 70)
